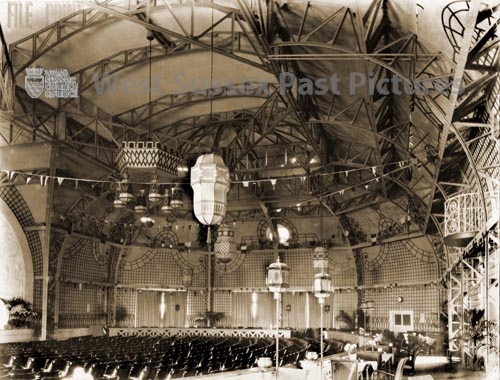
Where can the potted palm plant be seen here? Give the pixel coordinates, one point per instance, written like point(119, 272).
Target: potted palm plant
point(209, 318)
point(21, 314)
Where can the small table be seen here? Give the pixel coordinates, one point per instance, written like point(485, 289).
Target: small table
point(387, 360)
point(362, 365)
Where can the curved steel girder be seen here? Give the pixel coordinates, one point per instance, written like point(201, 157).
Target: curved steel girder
point(97, 14)
point(416, 196)
point(194, 102)
point(264, 90)
point(81, 17)
point(99, 66)
point(264, 37)
point(195, 40)
point(389, 140)
point(435, 108)
point(222, 117)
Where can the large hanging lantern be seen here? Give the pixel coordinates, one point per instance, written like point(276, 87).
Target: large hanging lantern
point(278, 276)
point(154, 191)
point(166, 208)
point(210, 183)
point(187, 277)
point(322, 286)
point(141, 206)
point(225, 246)
point(320, 260)
point(176, 201)
point(322, 283)
point(126, 190)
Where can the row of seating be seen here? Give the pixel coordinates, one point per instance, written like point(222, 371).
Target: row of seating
point(141, 358)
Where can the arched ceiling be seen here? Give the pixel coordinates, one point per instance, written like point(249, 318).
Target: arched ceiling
point(234, 42)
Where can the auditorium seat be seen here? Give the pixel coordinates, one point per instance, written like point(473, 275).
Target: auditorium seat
point(141, 358)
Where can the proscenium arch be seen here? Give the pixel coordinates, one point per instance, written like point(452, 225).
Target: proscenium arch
point(11, 219)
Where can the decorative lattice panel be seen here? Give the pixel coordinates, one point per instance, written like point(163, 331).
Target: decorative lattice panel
point(81, 299)
point(252, 272)
point(159, 267)
point(79, 262)
point(140, 261)
point(423, 300)
point(127, 298)
point(223, 304)
point(196, 304)
point(398, 262)
point(243, 333)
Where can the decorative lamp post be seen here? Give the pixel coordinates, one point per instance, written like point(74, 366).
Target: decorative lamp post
point(126, 190)
point(322, 287)
point(154, 191)
point(210, 183)
point(140, 205)
point(176, 201)
point(225, 246)
point(277, 281)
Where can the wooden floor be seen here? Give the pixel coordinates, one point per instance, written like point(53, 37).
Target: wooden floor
point(439, 369)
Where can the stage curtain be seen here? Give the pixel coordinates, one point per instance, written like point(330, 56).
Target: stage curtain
point(175, 309)
point(314, 312)
point(148, 308)
point(296, 317)
point(247, 313)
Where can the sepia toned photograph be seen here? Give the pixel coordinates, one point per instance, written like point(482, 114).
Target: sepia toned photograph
point(249, 189)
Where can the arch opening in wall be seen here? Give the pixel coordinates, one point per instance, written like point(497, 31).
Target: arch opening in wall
point(16, 266)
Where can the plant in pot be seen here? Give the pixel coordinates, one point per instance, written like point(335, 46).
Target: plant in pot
point(21, 314)
point(347, 319)
point(121, 315)
point(209, 318)
point(482, 336)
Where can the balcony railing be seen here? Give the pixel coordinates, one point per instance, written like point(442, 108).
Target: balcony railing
point(463, 218)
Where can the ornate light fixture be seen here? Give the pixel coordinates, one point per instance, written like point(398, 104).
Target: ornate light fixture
point(320, 259)
point(144, 156)
point(166, 208)
point(118, 203)
point(176, 201)
point(154, 190)
point(147, 221)
point(210, 183)
point(322, 286)
point(278, 275)
point(225, 246)
point(187, 277)
point(140, 205)
point(148, 155)
point(277, 281)
point(126, 190)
